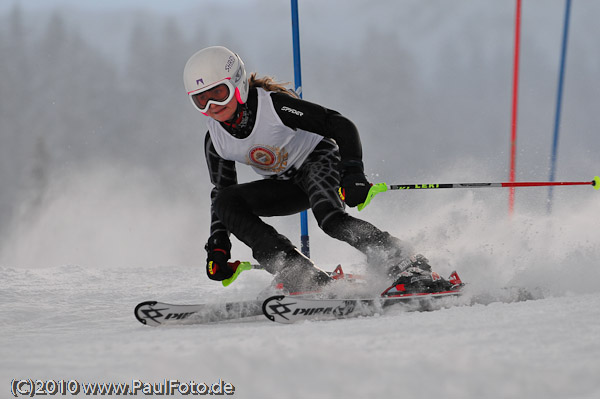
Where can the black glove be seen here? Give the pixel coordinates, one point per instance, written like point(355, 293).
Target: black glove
point(218, 252)
point(354, 186)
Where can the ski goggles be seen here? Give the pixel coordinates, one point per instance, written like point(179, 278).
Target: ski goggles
point(219, 93)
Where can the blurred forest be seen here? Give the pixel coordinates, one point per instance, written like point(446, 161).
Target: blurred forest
point(427, 82)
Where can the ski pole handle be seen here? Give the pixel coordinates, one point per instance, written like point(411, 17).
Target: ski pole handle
point(240, 268)
point(381, 187)
point(375, 189)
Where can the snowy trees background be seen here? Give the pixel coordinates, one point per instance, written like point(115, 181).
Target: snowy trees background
point(98, 139)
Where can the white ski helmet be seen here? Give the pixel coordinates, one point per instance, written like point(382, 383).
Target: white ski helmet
point(211, 67)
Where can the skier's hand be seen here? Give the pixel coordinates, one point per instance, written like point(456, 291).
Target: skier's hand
point(217, 267)
point(218, 253)
point(354, 186)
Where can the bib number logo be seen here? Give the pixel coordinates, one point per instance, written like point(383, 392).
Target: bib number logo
point(262, 156)
point(271, 159)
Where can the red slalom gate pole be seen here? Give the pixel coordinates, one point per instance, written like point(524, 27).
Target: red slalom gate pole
point(515, 97)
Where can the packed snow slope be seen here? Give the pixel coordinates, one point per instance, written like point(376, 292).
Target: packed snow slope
point(76, 321)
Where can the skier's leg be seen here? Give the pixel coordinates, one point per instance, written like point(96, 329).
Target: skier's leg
point(239, 208)
point(319, 178)
point(388, 255)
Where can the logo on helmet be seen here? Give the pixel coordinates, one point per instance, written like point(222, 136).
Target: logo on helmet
point(198, 81)
point(238, 75)
point(229, 64)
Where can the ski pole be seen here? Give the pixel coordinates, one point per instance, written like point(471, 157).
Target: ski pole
point(381, 187)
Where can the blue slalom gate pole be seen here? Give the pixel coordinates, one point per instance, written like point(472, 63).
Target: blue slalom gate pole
point(561, 74)
point(304, 240)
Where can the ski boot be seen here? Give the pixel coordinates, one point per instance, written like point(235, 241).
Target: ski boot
point(413, 276)
point(296, 274)
point(278, 256)
point(416, 262)
point(387, 255)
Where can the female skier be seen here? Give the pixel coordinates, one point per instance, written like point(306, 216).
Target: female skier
point(309, 157)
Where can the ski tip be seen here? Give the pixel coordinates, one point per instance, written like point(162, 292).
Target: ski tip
point(137, 311)
point(271, 307)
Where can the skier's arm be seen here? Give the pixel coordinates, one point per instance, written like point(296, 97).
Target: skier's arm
point(222, 174)
point(300, 114)
point(218, 247)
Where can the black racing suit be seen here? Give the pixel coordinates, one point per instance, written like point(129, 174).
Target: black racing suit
point(237, 208)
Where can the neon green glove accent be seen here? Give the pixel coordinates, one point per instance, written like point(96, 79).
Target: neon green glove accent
point(375, 189)
point(597, 183)
point(242, 266)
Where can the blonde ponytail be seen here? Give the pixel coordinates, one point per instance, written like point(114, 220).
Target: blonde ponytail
point(268, 83)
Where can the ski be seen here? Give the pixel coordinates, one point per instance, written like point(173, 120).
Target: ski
point(289, 309)
point(153, 313)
